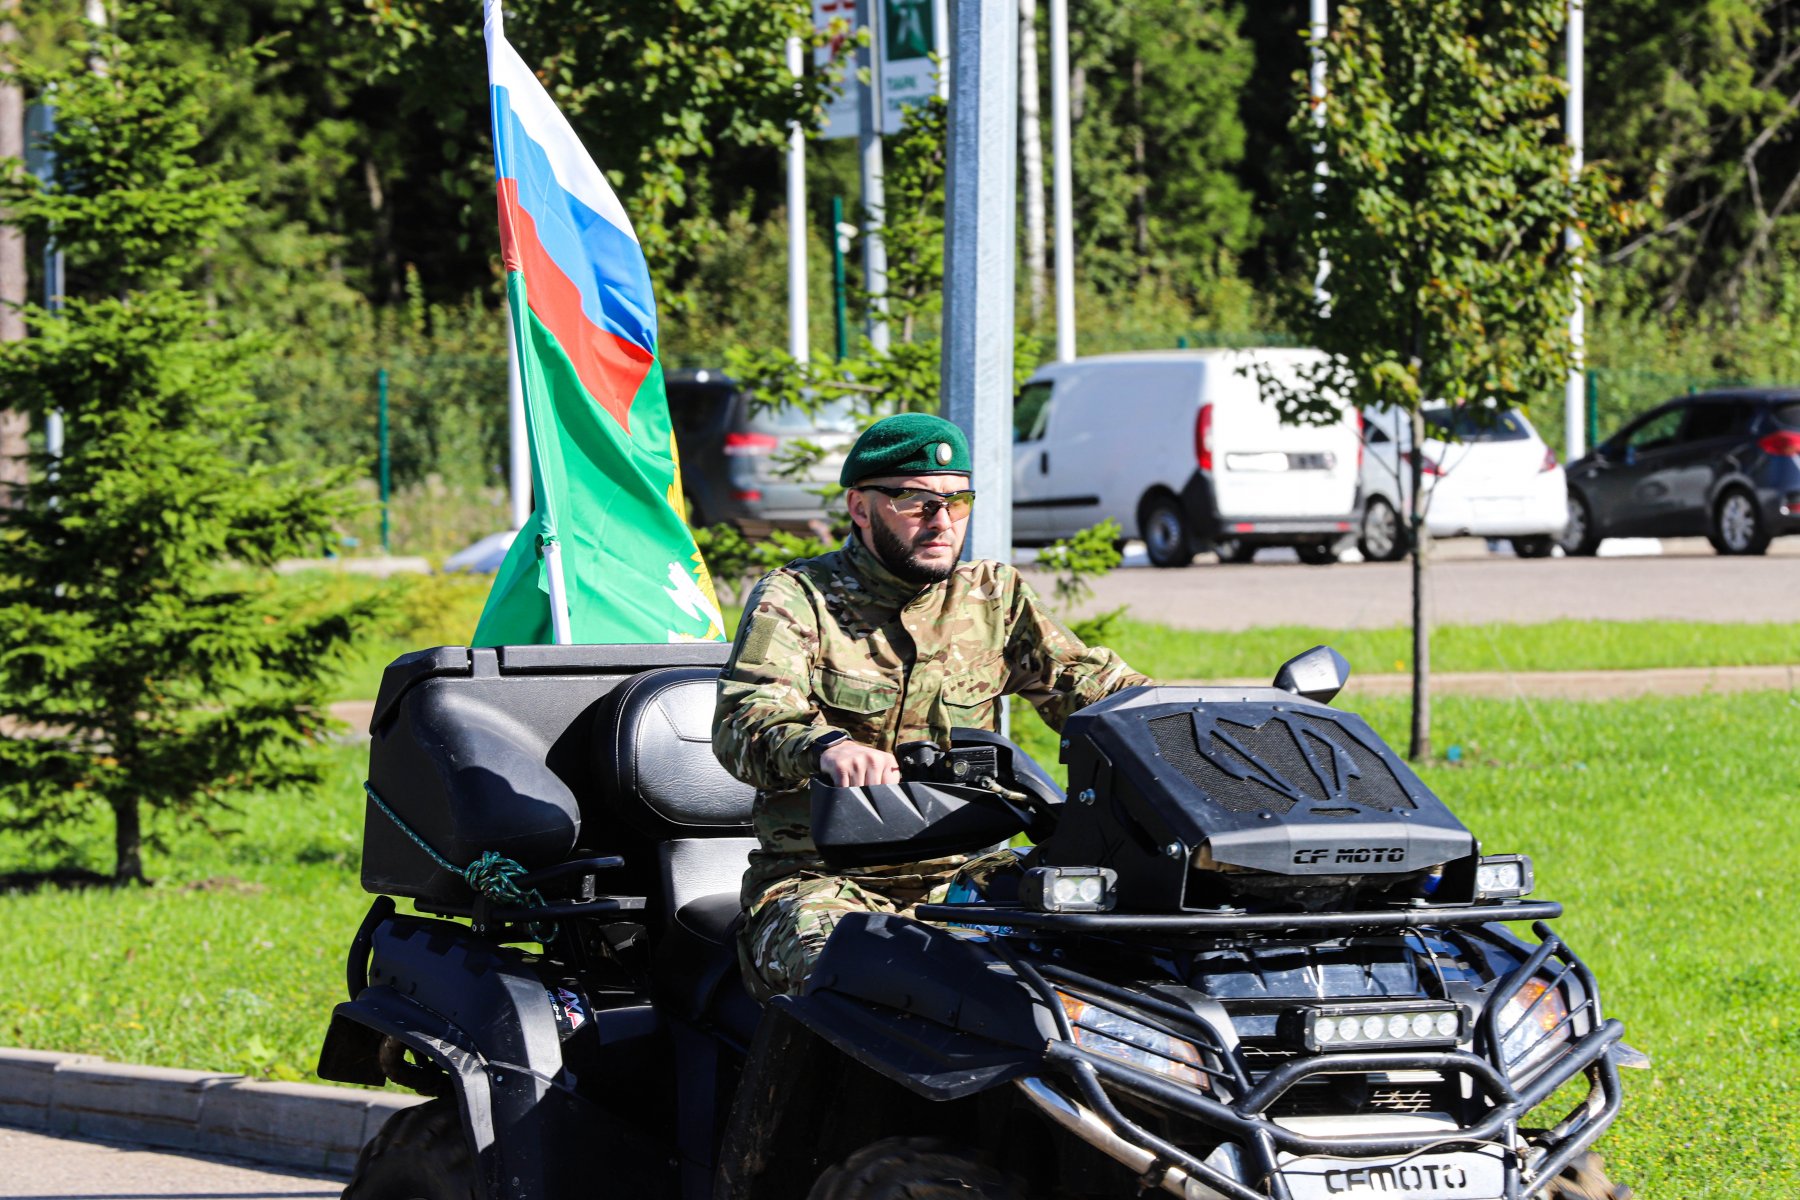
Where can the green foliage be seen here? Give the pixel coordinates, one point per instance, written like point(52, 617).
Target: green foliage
point(907, 376)
point(1697, 112)
point(737, 562)
point(131, 205)
point(1087, 554)
point(656, 91)
point(145, 681)
point(1442, 211)
point(1159, 145)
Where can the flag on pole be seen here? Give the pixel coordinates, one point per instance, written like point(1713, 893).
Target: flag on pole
point(608, 541)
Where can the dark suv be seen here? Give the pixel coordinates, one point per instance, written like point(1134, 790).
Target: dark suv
point(1724, 464)
point(731, 454)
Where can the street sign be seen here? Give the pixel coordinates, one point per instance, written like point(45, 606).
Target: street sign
point(909, 37)
point(842, 116)
point(907, 33)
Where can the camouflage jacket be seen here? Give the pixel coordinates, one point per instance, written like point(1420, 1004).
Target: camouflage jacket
point(840, 642)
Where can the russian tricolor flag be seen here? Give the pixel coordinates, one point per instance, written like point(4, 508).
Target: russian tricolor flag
point(605, 478)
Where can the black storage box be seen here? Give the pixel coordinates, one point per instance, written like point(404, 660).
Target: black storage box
point(492, 749)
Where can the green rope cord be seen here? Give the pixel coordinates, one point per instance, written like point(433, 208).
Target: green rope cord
point(492, 874)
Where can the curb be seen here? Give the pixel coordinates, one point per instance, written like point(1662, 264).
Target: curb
point(303, 1125)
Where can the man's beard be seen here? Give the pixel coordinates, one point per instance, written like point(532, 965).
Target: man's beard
point(898, 556)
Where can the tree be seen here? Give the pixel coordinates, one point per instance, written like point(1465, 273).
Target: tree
point(146, 674)
point(1445, 217)
point(676, 100)
point(1158, 142)
point(1699, 105)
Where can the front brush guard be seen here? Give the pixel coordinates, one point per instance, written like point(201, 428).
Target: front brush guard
point(1246, 1115)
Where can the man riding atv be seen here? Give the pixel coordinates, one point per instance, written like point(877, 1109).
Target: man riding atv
point(1250, 955)
point(888, 640)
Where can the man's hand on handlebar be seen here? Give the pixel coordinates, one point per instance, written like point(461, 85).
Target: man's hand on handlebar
point(851, 764)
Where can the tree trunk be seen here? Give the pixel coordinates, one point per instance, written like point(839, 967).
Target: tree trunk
point(1031, 148)
point(128, 842)
point(384, 231)
point(1138, 163)
point(13, 276)
point(1419, 748)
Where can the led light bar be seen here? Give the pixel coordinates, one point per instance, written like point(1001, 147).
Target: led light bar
point(1069, 889)
point(1399, 1026)
point(1503, 876)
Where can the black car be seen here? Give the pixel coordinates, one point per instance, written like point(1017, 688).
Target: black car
point(732, 453)
point(1724, 464)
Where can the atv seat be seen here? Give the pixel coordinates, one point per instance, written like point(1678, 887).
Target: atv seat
point(659, 777)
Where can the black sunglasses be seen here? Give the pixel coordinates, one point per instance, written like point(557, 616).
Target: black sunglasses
point(924, 503)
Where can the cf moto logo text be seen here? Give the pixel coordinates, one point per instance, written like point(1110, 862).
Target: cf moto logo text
point(1396, 1181)
point(1349, 855)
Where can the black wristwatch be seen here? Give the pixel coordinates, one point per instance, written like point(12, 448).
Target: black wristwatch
point(824, 742)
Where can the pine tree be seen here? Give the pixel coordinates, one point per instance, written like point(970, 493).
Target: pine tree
point(150, 660)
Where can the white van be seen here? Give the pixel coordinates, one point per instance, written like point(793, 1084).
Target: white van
point(1179, 448)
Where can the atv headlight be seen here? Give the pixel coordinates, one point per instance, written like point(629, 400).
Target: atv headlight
point(1532, 1023)
point(1101, 1031)
point(1402, 1025)
point(1068, 889)
point(1503, 876)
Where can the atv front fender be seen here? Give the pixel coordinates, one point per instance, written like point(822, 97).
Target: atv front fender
point(471, 1009)
point(922, 1006)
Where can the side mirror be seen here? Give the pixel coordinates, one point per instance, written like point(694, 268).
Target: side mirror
point(1319, 674)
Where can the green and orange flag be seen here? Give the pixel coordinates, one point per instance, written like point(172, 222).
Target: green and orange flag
point(608, 529)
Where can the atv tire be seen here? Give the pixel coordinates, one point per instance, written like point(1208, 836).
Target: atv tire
point(1586, 1179)
point(914, 1169)
point(420, 1154)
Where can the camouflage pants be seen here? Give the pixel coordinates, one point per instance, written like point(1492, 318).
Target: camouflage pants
point(787, 926)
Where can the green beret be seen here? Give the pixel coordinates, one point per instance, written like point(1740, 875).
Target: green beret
point(907, 444)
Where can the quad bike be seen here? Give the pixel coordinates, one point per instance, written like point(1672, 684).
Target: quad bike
point(1249, 955)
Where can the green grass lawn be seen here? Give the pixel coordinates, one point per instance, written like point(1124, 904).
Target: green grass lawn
point(1166, 653)
point(1666, 826)
point(441, 610)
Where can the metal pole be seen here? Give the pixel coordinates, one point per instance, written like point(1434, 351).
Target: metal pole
point(40, 160)
point(1321, 29)
point(940, 26)
point(381, 406)
point(874, 191)
point(839, 305)
point(560, 631)
point(979, 247)
point(1593, 408)
point(798, 338)
point(1574, 419)
point(1061, 180)
point(519, 445)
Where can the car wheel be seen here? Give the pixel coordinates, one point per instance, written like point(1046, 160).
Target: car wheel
point(1167, 540)
point(1231, 550)
point(1737, 525)
point(1382, 538)
point(914, 1169)
point(1534, 547)
point(1317, 554)
point(420, 1154)
point(1580, 537)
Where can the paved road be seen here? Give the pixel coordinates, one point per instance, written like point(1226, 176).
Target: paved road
point(34, 1165)
point(1687, 582)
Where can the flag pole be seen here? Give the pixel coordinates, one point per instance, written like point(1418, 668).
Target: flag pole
point(559, 595)
point(551, 549)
